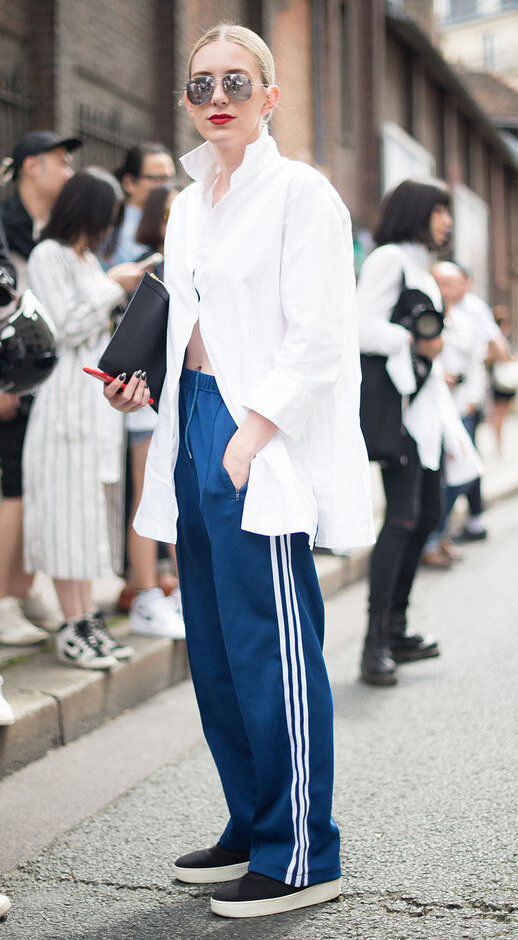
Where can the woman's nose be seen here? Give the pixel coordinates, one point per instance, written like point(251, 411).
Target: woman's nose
point(218, 95)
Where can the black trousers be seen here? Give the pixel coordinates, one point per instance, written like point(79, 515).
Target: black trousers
point(413, 509)
point(12, 436)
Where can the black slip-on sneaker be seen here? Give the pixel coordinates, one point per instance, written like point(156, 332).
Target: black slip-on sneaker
point(209, 865)
point(255, 895)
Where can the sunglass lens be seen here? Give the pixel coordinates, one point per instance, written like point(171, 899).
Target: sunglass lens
point(199, 90)
point(237, 86)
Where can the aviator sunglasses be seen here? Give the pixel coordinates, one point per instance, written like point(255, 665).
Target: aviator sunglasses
point(237, 86)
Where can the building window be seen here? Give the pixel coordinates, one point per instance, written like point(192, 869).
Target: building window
point(345, 67)
point(489, 55)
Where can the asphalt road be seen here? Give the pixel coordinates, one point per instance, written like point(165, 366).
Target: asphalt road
point(426, 792)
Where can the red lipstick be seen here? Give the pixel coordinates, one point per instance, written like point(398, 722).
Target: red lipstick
point(221, 118)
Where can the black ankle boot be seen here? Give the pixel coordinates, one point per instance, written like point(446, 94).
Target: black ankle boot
point(378, 666)
point(408, 647)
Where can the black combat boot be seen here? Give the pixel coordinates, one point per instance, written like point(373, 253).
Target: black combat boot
point(378, 666)
point(408, 647)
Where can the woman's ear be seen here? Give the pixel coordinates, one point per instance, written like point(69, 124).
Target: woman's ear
point(273, 93)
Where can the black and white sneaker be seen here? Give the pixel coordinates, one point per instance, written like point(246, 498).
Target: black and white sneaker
point(209, 865)
point(78, 646)
point(107, 643)
point(255, 895)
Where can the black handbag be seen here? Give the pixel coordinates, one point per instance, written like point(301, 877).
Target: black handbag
point(380, 411)
point(140, 339)
point(381, 407)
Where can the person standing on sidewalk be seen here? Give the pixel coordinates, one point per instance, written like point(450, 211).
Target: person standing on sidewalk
point(462, 361)
point(72, 453)
point(414, 222)
point(497, 349)
point(40, 165)
point(155, 604)
point(145, 167)
point(7, 270)
point(257, 452)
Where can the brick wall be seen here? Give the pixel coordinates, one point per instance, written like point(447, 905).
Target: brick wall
point(15, 77)
point(106, 81)
point(291, 46)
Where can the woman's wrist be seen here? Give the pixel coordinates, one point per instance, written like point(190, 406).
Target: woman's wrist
point(253, 434)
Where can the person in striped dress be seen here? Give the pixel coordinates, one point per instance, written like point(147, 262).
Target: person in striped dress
point(73, 449)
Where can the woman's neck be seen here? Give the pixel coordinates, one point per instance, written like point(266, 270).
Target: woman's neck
point(80, 246)
point(230, 158)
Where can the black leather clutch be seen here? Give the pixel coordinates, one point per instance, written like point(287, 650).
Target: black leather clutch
point(140, 340)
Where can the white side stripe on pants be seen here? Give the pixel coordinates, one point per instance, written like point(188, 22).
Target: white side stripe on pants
point(296, 704)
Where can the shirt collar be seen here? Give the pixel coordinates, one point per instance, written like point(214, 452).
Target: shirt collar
point(202, 163)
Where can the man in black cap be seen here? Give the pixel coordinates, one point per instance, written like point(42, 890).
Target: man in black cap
point(40, 165)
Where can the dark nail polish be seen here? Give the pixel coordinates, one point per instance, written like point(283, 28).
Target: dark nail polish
point(143, 376)
point(122, 377)
point(138, 374)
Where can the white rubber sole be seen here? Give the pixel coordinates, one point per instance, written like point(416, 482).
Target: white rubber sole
point(315, 894)
point(205, 876)
point(5, 905)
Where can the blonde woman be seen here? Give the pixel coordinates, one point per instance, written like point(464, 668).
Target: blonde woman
point(257, 453)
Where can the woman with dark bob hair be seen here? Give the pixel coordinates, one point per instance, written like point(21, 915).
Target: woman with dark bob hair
point(415, 222)
point(72, 453)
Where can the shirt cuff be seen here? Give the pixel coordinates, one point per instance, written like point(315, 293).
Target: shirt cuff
point(283, 401)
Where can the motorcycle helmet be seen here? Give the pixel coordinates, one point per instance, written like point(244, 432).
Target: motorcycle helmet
point(28, 342)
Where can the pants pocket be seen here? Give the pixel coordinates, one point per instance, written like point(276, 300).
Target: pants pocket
point(238, 494)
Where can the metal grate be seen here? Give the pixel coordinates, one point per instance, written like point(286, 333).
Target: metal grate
point(105, 135)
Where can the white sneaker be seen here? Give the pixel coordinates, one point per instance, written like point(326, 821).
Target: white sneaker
point(41, 610)
point(6, 718)
point(15, 629)
point(5, 905)
point(154, 614)
point(77, 645)
point(108, 645)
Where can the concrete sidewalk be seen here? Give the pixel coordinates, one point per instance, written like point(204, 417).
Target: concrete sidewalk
point(55, 704)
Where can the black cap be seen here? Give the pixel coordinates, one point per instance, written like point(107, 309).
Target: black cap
point(37, 142)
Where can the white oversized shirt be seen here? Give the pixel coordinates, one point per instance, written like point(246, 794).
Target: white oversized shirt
point(268, 271)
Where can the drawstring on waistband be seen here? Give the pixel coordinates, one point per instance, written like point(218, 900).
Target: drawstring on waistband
point(191, 412)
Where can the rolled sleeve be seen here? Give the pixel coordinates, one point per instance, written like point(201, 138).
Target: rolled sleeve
point(317, 298)
point(282, 400)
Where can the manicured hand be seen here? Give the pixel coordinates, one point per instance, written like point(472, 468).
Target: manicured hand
point(132, 398)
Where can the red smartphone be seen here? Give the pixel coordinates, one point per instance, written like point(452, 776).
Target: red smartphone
point(105, 378)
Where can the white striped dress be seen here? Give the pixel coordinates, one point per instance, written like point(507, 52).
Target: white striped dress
point(73, 447)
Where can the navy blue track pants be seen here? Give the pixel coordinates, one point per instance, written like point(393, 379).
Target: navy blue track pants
point(254, 620)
